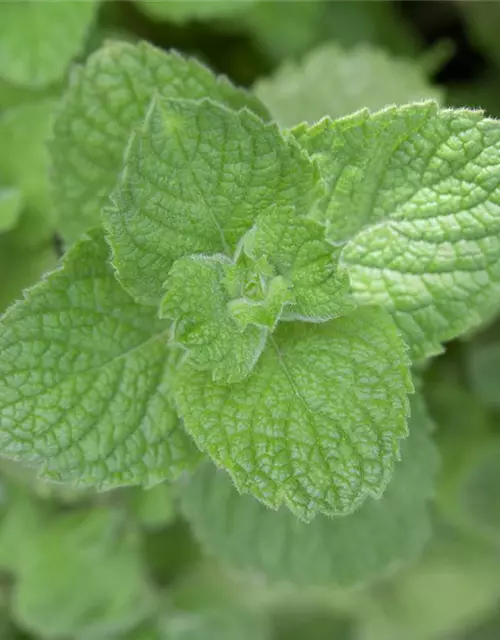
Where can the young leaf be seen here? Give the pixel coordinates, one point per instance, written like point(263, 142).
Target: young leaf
point(188, 10)
point(203, 324)
point(85, 380)
point(23, 132)
point(379, 537)
point(414, 197)
point(316, 426)
point(196, 176)
point(39, 39)
point(333, 82)
point(10, 207)
point(107, 99)
point(297, 249)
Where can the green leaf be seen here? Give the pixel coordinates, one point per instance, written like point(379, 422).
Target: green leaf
point(333, 82)
point(377, 538)
point(204, 324)
point(316, 426)
point(38, 40)
point(196, 176)
point(10, 207)
point(82, 576)
point(182, 11)
point(107, 99)
point(454, 584)
point(297, 249)
point(23, 132)
point(85, 380)
point(414, 197)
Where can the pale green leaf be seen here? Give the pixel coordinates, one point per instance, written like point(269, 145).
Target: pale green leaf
point(380, 536)
point(10, 207)
point(317, 424)
point(414, 197)
point(333, 82)
point(203, 324)
point(85, 380)
point(81, 575)
point(107, 99)
point(196, 176)
point(38, 40)
point(182, 11)
point(453, 585)
point(297, 249)
point(24, 131)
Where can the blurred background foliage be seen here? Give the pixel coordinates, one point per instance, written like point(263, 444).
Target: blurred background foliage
point(126, 564)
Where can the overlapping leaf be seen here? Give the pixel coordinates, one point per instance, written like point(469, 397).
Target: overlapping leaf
point(107, 99)
point(196, 176)
point(380, 536)
point(297, 249)
point(414, 196)
point(85, 380)
point(317, 424)
point(204, 325)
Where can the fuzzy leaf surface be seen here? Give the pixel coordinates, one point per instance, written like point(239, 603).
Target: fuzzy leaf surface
point(85, 380)
point(414, 198)
point(107, 99)
point(380, 536)
point(203, 323)
point(196, 176)
point(297, 249)
point(317, 424)
point(38, 40)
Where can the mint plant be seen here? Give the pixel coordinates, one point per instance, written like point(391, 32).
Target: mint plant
point(254, 294)
point(222, 413)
